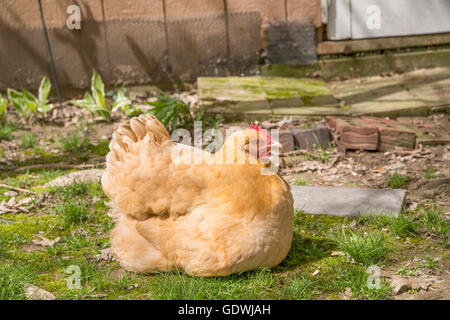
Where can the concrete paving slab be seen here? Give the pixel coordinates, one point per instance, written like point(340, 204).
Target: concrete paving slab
point(348, 202)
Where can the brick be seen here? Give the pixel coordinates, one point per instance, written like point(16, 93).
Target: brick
point(392, 134)
point(308, 138)
point(354, 134)
point(287, 140)
point(429, 132)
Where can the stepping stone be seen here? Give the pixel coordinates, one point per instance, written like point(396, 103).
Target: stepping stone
point(354, 134)
point(348, 202)
point(266, 96)
point(312, 138)
point(84, 176)
point(392, 134)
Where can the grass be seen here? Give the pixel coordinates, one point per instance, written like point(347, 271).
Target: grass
point(29, 140)
point(74, 142)
point(430, 173)
point(401, 226)
point(435, 222)
point(299, 181)
point(72, 214)
point(6, 129)
point(366, 249)
point(397, 181)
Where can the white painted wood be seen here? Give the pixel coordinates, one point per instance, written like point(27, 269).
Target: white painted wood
point(363, 19)
point(339, 20)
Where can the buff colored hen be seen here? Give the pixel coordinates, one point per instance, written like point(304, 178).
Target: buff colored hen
point(210, 218)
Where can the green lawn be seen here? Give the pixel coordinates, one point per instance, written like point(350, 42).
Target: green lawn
point(329, 256)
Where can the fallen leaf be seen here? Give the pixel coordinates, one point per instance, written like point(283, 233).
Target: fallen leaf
point(33, 292)
point(45, 242)
point(105, 255)
point(315, 273)
point(337, 253)
point(403, 284)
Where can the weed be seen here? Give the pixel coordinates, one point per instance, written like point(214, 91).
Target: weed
point(363, 248)
point(25, 101)
point(430, 173)
point(6, 129)
point(72, 212)
point(434, 220)
point(300, 288)
point(13, 278)
point(397, 181)
point(3, 105)
point(300, 182)
point(29, 140)
point(173, 113)
point(402, 226)
point(74, 143)
point(95, 102)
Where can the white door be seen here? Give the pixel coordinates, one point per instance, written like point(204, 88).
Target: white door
point(363, 19)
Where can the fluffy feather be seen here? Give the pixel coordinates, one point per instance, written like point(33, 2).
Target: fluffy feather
point(204, 219)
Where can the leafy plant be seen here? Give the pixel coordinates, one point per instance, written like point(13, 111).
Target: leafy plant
point(18, 101)
point(121, 102)
point(95, 102)
point(25, 101)
point(3, 104)
point(171, 111)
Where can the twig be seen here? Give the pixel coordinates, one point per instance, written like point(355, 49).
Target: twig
point(16, 189)
point(54, 165)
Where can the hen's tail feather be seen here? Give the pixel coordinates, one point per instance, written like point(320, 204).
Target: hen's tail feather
point(126, 137)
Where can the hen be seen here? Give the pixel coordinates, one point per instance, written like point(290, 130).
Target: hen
point(208, 218)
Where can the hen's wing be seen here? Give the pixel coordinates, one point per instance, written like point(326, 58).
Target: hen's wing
point(141, 175)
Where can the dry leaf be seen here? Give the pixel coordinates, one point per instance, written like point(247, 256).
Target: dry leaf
point(315, 273)
point(45, 242)
point(33, 292)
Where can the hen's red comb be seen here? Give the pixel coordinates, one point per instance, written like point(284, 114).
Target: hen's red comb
point(260, 129)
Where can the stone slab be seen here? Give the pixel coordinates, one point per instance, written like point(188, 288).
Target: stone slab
point(348, 202)
point(312, 138)
point(287, 140)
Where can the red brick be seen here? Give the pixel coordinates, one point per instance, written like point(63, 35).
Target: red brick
point(353, 134)
point(392, 134)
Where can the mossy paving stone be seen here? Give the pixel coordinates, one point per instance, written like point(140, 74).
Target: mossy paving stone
point(267, 95)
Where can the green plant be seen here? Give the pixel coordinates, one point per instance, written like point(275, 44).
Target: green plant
point(123, 103)
point(299, 181)
point(397, 181)
point(430, 173)
point(26, 101)
point(366, 249)
point(5, 130)
point(434, 220)
point(29, 140)
point(3, 104)
point(74, 142)
point(402, 226)
point(172, 112)
point(72, 212)
point(95, 102)
point(322, 154)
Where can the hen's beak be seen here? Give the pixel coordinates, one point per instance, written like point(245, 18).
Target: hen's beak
point(276, 148)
